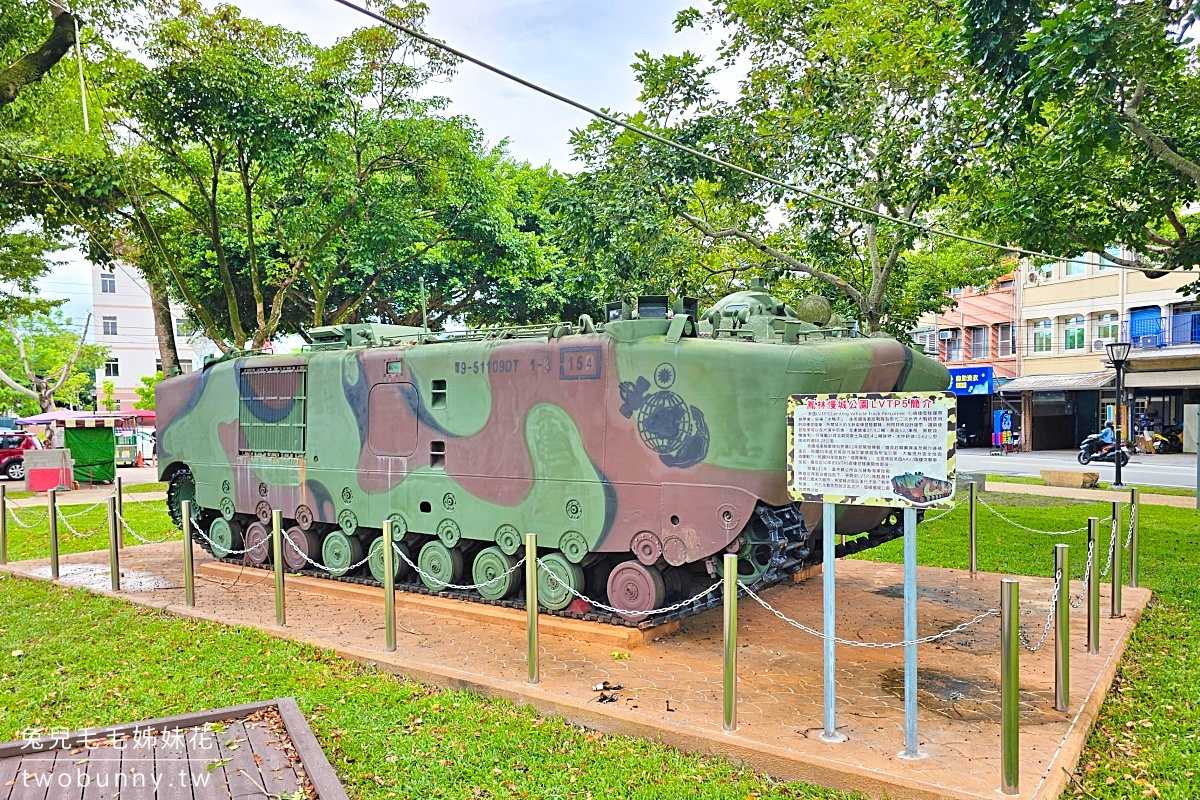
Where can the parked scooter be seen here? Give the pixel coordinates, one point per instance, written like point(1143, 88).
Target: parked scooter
point(963, 438)
point(1093, 448)
point(1170, 440)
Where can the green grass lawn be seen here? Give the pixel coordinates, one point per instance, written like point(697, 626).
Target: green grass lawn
point(1148, 731)
point(148, 519)
point(1143, 488)
point(87, 660)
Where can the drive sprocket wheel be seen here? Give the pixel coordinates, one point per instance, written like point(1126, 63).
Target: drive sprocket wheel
point(755, 556)
point(181, 487)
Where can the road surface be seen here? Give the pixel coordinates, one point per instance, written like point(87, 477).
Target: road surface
point(1177, 470)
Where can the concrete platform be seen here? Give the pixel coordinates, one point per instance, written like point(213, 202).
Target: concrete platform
point(673, 684)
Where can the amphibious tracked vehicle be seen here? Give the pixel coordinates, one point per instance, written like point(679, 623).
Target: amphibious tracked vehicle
point(639, 450)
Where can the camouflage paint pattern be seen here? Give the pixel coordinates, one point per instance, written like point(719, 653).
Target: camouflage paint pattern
point(629, 438)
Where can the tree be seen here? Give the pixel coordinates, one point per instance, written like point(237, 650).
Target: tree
point(42, 361)
point(1097, 135)
point(145, 392)
point(33, 65)
point(281, 185)
point(108, 401)
point(853, 100)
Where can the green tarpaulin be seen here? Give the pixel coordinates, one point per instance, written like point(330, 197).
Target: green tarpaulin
point(94, 451)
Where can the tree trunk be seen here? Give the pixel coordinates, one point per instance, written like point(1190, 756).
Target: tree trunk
point(30, 67)
point(164, 325)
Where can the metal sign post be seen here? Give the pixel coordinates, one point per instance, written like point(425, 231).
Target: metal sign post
point(729, 661)
point(52, 503)
point(1010, 700)
point(1093, 588)
point(120, 495)
point(1134, 522)
point(3, 524)
point(893, 450)
point(910, 634)
point(1118, 556)
point(389, 589)
point(277, 557)
point(189, 575)
point(114, 558)
point(1062, 631)
point(972, 487)
point(532, 657)
point(829, 589)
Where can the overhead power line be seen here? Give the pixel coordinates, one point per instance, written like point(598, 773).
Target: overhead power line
point(598, 114)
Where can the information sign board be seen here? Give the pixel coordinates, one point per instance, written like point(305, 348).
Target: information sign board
point(872, 449)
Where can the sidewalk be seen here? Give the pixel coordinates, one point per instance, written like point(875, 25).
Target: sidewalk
point(1097, 495)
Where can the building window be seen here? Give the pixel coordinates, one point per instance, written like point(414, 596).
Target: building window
point(1106, 327)
point(1075, 333)
point(1043, 336)
point(109, 326)
point(1007, 283)
point(1004, 339)
point(1076, 266)
point(927, 341)
point(1115, 252)
point(953, 344)
point(158, 368)
point(108, 283)
point(979, 342)
point(183, 327)
point(111, 368)
point(1046, 270)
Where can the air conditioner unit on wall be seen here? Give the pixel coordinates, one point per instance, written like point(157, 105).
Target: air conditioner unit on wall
point(948, 334)
point(1033, 278)
point(1099, 344)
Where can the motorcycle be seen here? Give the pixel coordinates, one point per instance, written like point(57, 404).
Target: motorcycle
point(1169, 441)
point(1093, 448)
point(964, 439)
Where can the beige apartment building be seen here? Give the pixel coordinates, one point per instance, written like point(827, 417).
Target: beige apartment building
point(1067, 313)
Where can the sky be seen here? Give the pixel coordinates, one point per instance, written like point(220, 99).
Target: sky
point(579, 48)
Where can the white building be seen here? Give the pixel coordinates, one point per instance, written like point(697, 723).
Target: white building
point(124, 323)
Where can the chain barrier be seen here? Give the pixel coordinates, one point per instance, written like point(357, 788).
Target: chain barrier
point(138, 536)
point(457, 586)
point(71, 528)
point(1112, 550)
point(11, 509)
point(228, 551)
point(80, 513)
point(1087, 573)
point(936, 517)
point(933, 637)
point(1129, 533)
point(1033, 648)
point(612, 609)
point(309, 561)
point(1016, 524)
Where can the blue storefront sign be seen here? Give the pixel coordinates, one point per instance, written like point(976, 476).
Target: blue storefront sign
point(1002, 428)
point(971, 380)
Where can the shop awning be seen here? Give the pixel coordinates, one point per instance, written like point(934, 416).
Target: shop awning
point(1079, 381)
point(1174, 379)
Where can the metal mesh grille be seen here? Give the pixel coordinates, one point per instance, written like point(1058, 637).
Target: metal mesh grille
point(273, 412)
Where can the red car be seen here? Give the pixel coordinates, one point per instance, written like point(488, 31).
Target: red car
point(13, 445)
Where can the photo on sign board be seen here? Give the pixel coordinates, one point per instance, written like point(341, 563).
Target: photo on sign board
point(894, 449)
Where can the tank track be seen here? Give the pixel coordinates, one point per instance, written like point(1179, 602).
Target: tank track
point(794, 548)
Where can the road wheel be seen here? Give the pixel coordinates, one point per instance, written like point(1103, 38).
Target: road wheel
point(15, 471)
point(1083, 457)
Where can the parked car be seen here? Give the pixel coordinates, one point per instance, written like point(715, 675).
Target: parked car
point(13, 445)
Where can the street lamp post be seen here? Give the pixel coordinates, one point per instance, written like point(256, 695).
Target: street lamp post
point(1118, 354)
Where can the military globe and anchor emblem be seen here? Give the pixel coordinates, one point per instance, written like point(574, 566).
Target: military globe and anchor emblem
point(667, 424)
